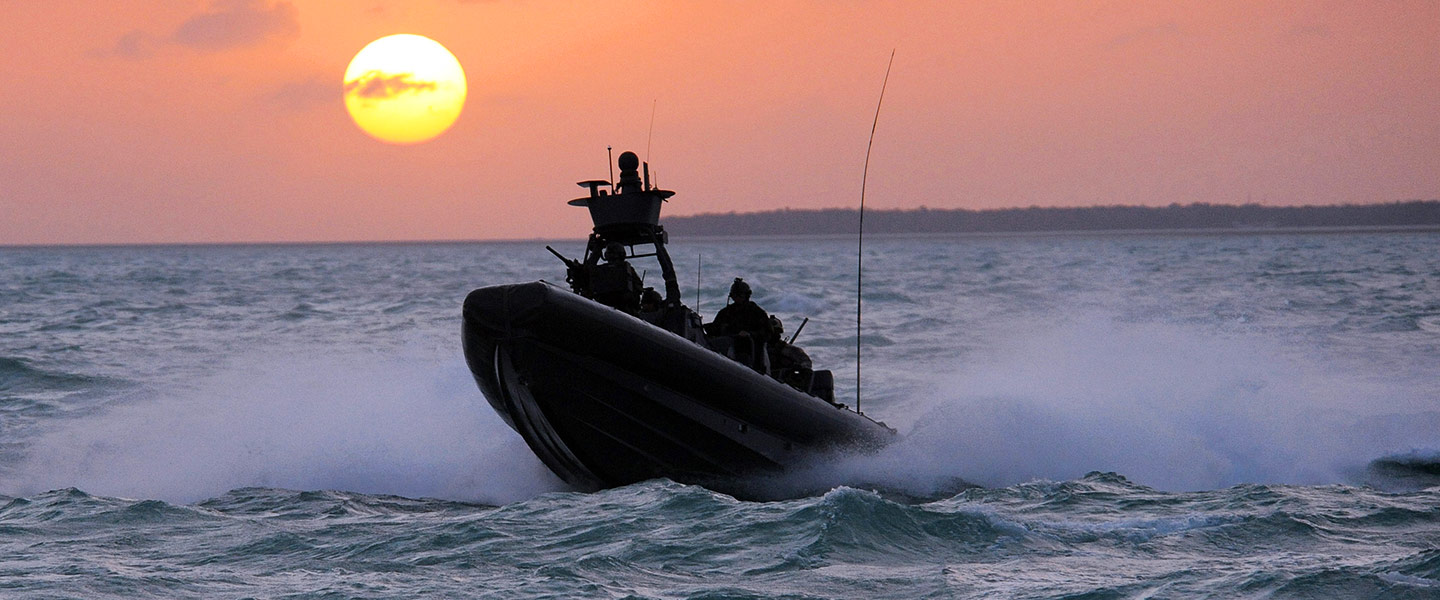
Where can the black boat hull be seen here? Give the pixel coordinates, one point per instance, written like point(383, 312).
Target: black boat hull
point(605, 399)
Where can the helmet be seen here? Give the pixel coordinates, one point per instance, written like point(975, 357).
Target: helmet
point(740, 290)
point(776, 327)
point(650, 296)
point(614, 251)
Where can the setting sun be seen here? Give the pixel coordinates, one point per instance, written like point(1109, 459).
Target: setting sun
point(404, 89)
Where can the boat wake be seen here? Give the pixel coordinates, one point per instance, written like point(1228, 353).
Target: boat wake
point(299, 418)
point(1167, 406)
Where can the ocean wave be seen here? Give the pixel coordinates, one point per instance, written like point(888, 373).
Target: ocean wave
point(303, 311)
point(1100, 534)
point(18, 375)
point(277, 502)
point(1348, 582)
point(1413, 469)
point(71, 507)
point(795, 303)
point(1424, 564)
point(850, 525)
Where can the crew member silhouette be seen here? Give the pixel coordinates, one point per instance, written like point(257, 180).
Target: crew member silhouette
point(650, 304)
point(746, 324)
point(785, 357)
point(615, 283)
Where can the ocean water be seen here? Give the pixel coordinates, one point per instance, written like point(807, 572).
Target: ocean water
point(1129, 416)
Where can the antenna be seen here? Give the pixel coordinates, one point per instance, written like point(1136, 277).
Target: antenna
point(651, 135)
point(699, 259)
point(610, 159)
point(860, 244)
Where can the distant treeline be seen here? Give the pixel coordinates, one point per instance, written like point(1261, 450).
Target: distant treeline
point(1035, 219)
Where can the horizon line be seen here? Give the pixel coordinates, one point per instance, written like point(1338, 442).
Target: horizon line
point(538, 239)
point(1195, 231)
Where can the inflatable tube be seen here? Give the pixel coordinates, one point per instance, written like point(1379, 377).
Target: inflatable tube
point(606, 399)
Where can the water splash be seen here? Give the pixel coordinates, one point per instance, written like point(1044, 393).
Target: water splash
point(1171, 406)
point(406, 424)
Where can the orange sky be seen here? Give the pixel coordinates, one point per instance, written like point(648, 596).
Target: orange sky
point(223, 121)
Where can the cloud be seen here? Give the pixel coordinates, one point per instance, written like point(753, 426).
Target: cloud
point(135, 45)
point(300, 96)
point(237, 23)
point(375, 85)
point(227, 24)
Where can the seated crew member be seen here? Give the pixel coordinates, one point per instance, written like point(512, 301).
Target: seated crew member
point(788, 362)
point(792, 366)
point(615, 283)
point(650, 302)
point(745, 323)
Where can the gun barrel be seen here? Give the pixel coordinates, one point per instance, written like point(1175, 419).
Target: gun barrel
point(559, 256)
point(797, 330)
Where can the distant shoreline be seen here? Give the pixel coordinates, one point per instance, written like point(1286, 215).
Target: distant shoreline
point(786, 236)
point(1193, 219)
point(1070, 233)
point(1210, 219)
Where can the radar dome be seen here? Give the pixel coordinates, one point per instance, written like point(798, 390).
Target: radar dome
point(628, 161)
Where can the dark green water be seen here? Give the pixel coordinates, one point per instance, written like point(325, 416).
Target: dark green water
point(1150, 417)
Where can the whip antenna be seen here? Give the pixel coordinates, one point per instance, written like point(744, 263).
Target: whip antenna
point(860, 243)
point(650, 136)
point(610, 158)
